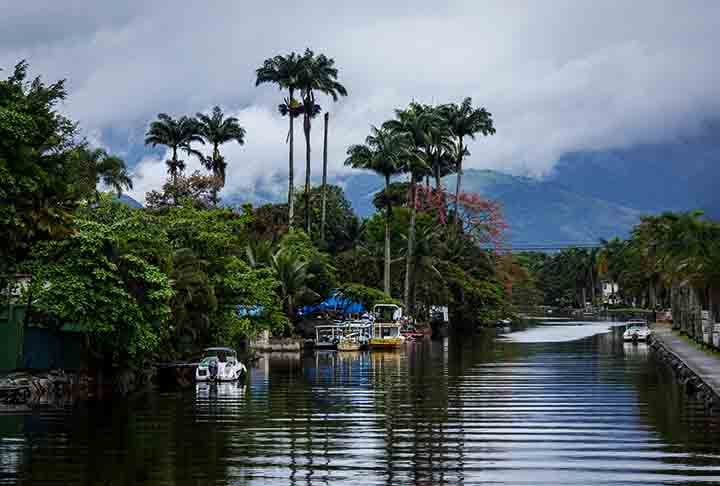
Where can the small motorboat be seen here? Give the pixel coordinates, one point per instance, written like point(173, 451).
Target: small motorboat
point(348, 345)
point(220, 364)
point(637, 331)
point(386, 329)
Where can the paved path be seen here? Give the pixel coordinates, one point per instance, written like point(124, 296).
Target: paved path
point(704, 364)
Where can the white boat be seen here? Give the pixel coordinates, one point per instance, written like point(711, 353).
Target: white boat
point(220, 364)
point(637, 331)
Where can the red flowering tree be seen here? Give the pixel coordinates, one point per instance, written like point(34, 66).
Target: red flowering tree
point(480, 218)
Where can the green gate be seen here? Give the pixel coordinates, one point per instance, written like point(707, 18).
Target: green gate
point(11, 336)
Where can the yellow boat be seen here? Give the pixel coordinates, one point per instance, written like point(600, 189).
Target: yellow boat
point(387, 327)
point(386, 343)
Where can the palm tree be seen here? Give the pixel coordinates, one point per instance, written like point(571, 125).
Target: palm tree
point(416, 164)
point(216, 129)
point(176, 135)
point(466, 121)
point(384, 153)
point(285, 72)
point(293, 275)
point(98, 166)
point(318, 74)
point(415, 122)
point(324, 178)
point(439, 146)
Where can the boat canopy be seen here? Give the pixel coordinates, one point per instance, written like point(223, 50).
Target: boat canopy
point(387, 312)
point(220, 350)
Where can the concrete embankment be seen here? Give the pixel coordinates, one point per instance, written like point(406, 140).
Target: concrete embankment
point(696, 369)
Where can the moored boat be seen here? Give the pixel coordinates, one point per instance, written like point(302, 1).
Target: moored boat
point(637, 331)
point(387, 328)
point(220, 364)
point(349, 345)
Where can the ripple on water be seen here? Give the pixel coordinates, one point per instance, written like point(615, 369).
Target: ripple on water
point(466, 411)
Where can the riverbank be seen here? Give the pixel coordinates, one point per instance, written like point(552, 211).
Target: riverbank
point(697, 370)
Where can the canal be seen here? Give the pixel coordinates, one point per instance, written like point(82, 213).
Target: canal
point(552, 404)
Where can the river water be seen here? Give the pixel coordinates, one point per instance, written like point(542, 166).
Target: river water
point(541, 406)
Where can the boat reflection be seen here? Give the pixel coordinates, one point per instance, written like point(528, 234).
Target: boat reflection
point(637, 350)
point(218, 399)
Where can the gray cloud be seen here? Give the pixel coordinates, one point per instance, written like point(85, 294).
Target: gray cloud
point(558, 76)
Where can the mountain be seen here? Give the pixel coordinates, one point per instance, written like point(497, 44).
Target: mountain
point(124, 198)
point(543, 212)
point(537, 211)
point(588, 196)
point(675, 175)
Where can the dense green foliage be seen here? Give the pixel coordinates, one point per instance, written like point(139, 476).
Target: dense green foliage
point(160, 282)
point(665, 251)
point(45, 173)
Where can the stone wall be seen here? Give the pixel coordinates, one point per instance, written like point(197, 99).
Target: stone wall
point(691, 382)
point(263, 342)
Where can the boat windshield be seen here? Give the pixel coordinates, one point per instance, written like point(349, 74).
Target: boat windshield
point(222, 355)
point(389, 331)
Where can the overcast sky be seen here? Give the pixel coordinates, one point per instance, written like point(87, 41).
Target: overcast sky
point(558, 76)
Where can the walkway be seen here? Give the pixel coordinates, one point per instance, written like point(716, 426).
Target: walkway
point(702, 363)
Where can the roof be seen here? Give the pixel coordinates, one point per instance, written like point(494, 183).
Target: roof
point(230, 350)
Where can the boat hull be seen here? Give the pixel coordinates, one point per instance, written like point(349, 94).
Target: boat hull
point(386, 343)
point(348, 347)
point(223, 375)
point(639, 339)
point(207, 379)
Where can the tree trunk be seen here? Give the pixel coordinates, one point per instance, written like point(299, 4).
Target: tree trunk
point(651, 294)
point(386, 273)
point(291, 169)
point(306, 128)
point(411, 244)
point(290, 308)
point(324, 178)
point(457, 187)
point(173, 169)
point(216, 172)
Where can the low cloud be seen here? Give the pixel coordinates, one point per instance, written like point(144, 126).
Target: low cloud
point(558, 77)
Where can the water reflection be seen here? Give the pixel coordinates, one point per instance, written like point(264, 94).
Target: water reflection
point(457, 411)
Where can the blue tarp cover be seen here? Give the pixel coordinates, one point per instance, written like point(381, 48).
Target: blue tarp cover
point(336, 302)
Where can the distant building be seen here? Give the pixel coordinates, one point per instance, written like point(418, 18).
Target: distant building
point(610, 293)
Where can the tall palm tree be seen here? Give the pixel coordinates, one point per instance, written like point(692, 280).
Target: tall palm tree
point(416, 164)
point(323, 212)
point(176, 135)
point(416, 121)
point(216, 129)
point(466, 121)
point(384, 153)
point(285, 72)
point(318, 74)
point(439, 147)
